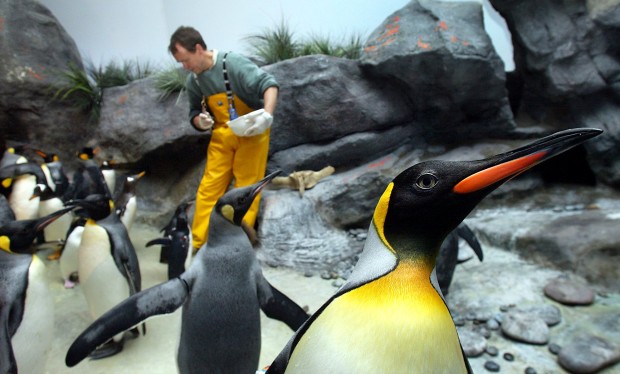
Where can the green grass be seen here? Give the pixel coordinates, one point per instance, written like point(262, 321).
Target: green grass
point(170, 81)
point(279, 44)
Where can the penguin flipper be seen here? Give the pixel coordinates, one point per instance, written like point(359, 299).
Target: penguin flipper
point(161, 299)
point(279, 306)
point(466, 233)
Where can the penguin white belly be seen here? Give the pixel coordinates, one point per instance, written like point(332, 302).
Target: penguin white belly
point(32, 341)
point(375, 328)
point(130, 213)
point(57, 230)
point(101, 281)
point(19, 199)
point(69, 257)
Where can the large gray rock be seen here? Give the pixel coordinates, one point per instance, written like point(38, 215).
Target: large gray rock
point(34, 49)
point(441, 58)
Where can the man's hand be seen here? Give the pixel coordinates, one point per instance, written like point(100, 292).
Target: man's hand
point(258, 124)
point(205, 122)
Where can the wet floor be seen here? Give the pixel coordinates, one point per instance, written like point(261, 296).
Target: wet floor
point(155, 352)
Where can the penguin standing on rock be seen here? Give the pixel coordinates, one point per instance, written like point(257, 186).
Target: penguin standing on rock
point(221, 294)
point(108, 266)
point(390, 316)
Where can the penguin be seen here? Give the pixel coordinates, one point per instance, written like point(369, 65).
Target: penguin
point(108, 266)
point(6, 213)
point(176, 242)
point(390, 316)
point(18, 236)
point(109, 174)
point(13, 155)
point(88, 179)
point(26, 314)
point(181, 212)
point(447, 259)
point(23, 179)
point(53, 168)
point(221, 293)
point(126, 203)
point(68, 261)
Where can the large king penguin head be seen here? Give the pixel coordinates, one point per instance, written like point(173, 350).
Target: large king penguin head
point(234, 204)
point(94, 206)
point(428, 200)
point(18, 236)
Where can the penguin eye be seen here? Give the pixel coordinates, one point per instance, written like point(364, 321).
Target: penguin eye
point(426, 181)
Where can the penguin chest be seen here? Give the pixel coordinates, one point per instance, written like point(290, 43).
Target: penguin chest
point(102, 283)
point(33, 339)
point(20, 198)
point(396, 324)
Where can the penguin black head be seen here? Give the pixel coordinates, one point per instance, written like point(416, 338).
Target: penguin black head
point(234, 204)
point(94, 206)
point(87, 153)
point(428, 200)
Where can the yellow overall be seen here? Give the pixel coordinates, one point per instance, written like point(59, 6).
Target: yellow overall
point(228, 156)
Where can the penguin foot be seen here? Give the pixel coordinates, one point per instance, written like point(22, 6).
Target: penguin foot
point(54, 256)
point(69, 283)
point(106, 350)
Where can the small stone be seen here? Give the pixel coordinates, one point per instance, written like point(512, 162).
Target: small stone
point(588, 354)
point(569, 292)
point(337, 283)
point(530, 370)
point(492, 351)
point(473, 343)
point(509, 356)
point(525, 328)
point(554, 348)
point(491, 366)
point(492, 324)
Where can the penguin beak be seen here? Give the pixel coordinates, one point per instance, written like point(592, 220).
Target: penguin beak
point(505, 166)
point(51, 218)
point(258, 186)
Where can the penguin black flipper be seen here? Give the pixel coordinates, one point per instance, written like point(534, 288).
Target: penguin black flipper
point(164, 298)
point(123, 251)
point(13, 278)
point(470, 237)
point(278, 306)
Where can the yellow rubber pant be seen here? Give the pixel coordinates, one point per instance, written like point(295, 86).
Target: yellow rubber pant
point(228, 157)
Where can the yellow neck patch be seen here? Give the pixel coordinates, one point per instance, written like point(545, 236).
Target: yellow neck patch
point(6, 183)
point(380, 213)
point(5, 243)
point(228, 212)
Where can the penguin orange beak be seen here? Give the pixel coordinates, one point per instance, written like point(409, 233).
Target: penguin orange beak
point(505, 166)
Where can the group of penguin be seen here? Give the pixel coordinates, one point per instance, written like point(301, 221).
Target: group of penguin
point(389, 316)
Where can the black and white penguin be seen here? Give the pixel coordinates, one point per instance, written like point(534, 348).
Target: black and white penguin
point(68, 261)
point(448, 256)
point(176, 242)
point(390, 316)
point(26, 314)
point(221, 294)
point(126, 203)
point(24, 179)
point(88, 179)
point(108, 267)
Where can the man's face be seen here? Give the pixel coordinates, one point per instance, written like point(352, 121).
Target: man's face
point(191, 61)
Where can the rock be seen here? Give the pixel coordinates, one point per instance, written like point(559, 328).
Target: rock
point(547, 312)
point(525, 328)
point(438, 54)
point(569, 292)
point(472, 342)
point(588, 354)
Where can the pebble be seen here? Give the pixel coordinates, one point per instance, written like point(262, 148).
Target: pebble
point(554, 348)
point(525, 328)
point(473, 343)
point(509, 356)
point(492, 324)
point(530, 370)
point(569, 292)
point(588, 354)
point(549, 313)
point(491, 366)
point(492, 351)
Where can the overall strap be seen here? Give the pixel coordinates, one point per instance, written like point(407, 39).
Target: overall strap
point(229, 94)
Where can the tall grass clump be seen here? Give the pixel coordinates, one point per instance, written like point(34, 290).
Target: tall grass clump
point(169, 81)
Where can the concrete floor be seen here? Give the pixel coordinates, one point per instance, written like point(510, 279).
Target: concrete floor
point(155, 352)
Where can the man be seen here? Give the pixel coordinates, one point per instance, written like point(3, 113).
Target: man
point(212, 103)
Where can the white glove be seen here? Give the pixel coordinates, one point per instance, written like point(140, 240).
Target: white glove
point(205, 122)
point(257, 124)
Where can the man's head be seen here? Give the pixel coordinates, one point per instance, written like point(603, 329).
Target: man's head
point(189, 49)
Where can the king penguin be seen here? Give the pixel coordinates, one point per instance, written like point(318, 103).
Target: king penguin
point(108, 266)
point(26, 314)
point(390, 316)
point(24, 179)
point(221, 295)
point(126, 203)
